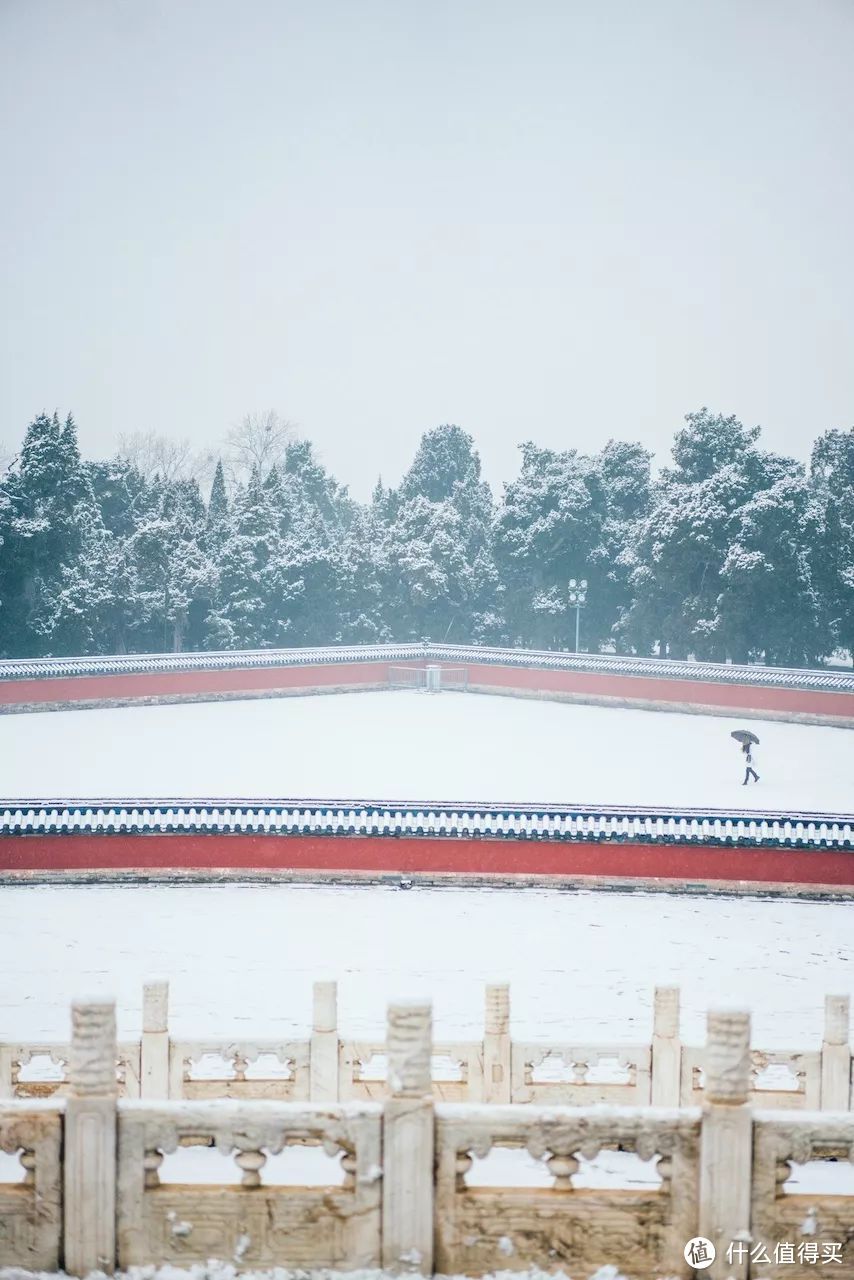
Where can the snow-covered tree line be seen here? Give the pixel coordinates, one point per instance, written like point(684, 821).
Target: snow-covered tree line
point(729, 552)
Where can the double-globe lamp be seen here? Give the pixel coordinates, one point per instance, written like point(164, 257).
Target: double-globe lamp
point(578, 599)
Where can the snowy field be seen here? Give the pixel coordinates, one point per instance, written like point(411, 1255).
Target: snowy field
point(414, 746)
point(241, 958)
point(582, 966)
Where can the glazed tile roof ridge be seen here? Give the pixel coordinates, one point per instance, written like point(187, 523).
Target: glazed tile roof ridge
point(457, 820)
point(664, 668)
point(136, 663)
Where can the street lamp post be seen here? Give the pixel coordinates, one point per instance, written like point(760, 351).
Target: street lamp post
point(577, 598)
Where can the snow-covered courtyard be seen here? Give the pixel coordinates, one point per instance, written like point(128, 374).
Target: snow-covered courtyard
point(582, 965)
point(407, 745)
point(241, 958)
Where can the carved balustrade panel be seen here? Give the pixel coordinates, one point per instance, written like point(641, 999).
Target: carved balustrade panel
point(563, 1227)
point(456, 1071)
point(785, 1079)
point(40, 1070)
point(31, 1209)
point(253, 1224)
point(580, 1075)
point(263, 1069)
point(362, 1071)
point(128, 1069)
point(811, 1223)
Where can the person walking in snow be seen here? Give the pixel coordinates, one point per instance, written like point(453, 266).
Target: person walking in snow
point(749, 750)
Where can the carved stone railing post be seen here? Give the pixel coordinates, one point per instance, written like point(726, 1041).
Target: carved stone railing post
point(496, 1044)
point(154, 1064)
point(726, 1140)
point(407, 1214)
point(666, 1049)
point(323, 1059)
point(836, 1055)
point(90, 1140)
point(7, 1088)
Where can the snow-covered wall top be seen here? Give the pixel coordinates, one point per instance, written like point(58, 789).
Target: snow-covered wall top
point(131, 663)
point(779, 677)
point(453, 821)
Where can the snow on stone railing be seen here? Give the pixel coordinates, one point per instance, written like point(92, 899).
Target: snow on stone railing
point(31, 1218)
point(406, 1190)
point(472, 1231)
point(481, 655)
point(337, 1225)
point(451, 820)
point(495, 1069)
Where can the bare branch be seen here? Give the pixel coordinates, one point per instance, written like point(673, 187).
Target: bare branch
point(258, 443)
point(153, 454)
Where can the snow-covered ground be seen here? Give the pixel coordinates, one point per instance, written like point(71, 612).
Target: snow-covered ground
point(241, 958)
point(408, 745)
point(582, 966)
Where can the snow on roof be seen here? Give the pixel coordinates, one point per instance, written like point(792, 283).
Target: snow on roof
point(344, 818)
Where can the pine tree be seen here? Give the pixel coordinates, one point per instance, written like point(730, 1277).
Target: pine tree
point(832, 482)
point(218, 501)
point(769, 562)
point(731, 552)
point(445, 458)
point(550, 528)
point(437, 569)
point(50, 501)
point(721, 565)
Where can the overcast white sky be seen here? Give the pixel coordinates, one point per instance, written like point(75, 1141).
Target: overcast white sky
point(552, 219)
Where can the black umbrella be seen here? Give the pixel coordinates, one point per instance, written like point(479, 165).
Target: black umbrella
point(744, 735)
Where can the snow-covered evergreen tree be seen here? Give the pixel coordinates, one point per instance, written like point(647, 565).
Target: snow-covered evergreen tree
point(722, 564)
point(769, 603)
point(832, 479)
point(550, 527)
point(49, 504)
point(437, 570)
point(218, 501)
point(731, 552)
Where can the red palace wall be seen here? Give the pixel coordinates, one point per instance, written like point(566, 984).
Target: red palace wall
point(191, 684)
point(678, 693)
point(375, 856)
point(255, 681)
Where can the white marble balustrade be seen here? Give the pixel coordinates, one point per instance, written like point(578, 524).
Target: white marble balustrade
point(326, 1067)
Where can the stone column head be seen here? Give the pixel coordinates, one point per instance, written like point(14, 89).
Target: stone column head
point(728, 1056)
point(155, 1006)
point(497, 1013)
point(837, 1017)
point(665, 1014)
point(92, 1069)
point(325, 1006)
point(409, 1045)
